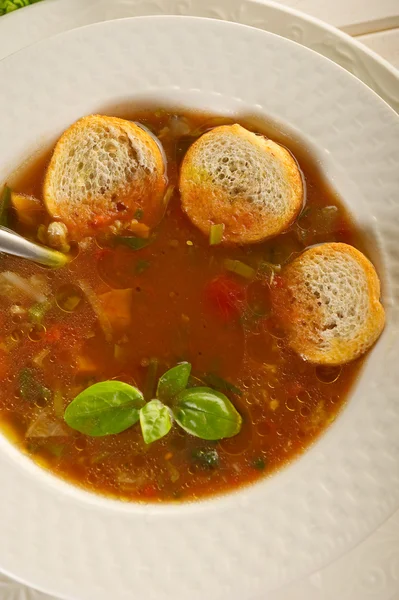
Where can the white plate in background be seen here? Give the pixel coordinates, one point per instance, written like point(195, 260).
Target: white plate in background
point(81, 546)
point(38, 21)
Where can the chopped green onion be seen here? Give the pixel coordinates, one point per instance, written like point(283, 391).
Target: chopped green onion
point(5, 202)
point(38, 311)
point(39, 358)
point(239, 268)
point(168, 195)
point(119, 352)
point(259, 464)
point(142, 266)
point(133, 242)
point(216, 234)
point(151, 379)
point(71, 303)
point(139, 214)
point(267, 267)
point(58, 403)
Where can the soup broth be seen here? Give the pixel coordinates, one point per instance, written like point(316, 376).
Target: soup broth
point(175, 299)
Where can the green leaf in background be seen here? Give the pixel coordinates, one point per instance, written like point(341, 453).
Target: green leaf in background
point(206, 414)
point(105, 408)
point(155, 421)
point(5, 202)
point(173, 381)
point(7, 6)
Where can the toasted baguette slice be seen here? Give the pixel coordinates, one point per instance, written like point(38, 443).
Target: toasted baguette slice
point(328, 301)
point(104, 169)
point(247, 182)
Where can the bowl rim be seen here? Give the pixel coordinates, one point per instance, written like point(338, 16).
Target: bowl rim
point(80, 35)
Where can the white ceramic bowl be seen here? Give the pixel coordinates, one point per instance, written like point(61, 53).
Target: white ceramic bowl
point(81, 546)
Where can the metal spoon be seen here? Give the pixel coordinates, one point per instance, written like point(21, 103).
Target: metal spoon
point(15, 244)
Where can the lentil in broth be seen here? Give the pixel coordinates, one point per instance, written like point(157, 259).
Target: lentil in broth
point(183, 305)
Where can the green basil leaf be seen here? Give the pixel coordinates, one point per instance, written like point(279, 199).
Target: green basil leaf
point(133, 242)
point(105, 408)
point(173, 381)
point(155, 421)
point(206, 414)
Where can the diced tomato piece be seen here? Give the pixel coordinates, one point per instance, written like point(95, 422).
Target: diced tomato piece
point(149, 490)
point(100, 220)
point(225, 295)
point(101, 252)
point(54, 334)
point(294, 388)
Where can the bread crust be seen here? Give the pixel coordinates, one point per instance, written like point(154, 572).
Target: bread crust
point(245, 221)
point(86, 214)
point(315, 329)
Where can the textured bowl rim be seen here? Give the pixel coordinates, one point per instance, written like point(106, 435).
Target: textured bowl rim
point(193, 25)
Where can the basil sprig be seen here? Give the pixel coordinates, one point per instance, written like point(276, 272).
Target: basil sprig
point(155, 421)
point(112, 406)
point(173, 382)
point(206, 414)
point(105, 408)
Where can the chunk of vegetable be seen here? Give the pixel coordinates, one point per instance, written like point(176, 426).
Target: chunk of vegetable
point(57, 236)
point(38, 311)
point(139, 229)
point(58, 403)
point(30, 388)
point(23, 285)
point(117, 306)
point(216, 234)
point(226, 296)
point(85, 365)
point(46, 426)
point(97, 307)
point(239, 268)
point(5, 201)
point(30, 210)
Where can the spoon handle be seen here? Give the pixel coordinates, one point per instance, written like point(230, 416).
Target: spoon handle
point(12, 243)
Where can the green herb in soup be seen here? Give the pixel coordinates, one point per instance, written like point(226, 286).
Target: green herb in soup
point(105, 408)
point(152, 366)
